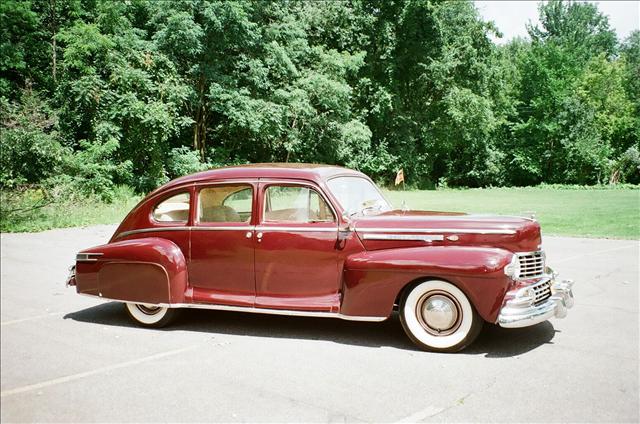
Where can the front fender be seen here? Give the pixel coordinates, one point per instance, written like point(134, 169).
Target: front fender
point(374, 279)
point(145, 270)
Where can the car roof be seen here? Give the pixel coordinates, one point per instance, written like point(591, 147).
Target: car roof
point(301, 171)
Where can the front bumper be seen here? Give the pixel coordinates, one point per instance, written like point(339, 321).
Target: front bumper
point(516, 313)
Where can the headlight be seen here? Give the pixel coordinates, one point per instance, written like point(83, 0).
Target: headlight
point(513, 269)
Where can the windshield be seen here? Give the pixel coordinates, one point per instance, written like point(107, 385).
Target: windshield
point(358, 195)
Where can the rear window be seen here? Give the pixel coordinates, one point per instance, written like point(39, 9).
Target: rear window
point(173, 209)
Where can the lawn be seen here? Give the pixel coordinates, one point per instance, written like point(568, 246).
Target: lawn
point(610, 213)
point(592, 212)
point(66, 213)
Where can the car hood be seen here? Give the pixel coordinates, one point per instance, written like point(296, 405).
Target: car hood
point(411, 228)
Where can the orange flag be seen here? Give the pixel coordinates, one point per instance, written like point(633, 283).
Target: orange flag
point(400, 177)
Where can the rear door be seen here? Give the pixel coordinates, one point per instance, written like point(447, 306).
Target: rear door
point(221, 266)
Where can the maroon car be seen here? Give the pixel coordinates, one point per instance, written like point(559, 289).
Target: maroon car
point(321, 241)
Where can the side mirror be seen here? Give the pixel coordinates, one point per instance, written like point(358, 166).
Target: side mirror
point(344, 232)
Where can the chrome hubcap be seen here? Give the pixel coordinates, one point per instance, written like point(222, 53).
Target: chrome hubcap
point(438, 313)
point(148, 309)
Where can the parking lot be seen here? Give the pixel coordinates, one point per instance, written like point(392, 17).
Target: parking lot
point(69, 358)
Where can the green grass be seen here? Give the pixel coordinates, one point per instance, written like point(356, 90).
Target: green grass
point(67, 213)
point(610, 213)
point(590, 212)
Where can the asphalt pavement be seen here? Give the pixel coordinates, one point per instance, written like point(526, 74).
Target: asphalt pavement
point(70, 358)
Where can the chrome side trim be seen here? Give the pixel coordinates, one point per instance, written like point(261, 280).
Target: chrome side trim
point(150, 230)
point(267, 311)
point(319, 230)
point(184, 228)
point(264, 228)
point(436, 230)
point(404, 237)
point(88, 257)
point(239, 228)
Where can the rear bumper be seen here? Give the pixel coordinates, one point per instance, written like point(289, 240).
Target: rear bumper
point(71, 279)
point(515, 314)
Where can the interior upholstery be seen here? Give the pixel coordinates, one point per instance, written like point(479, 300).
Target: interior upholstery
point(219, 214)
point(291, 214)
point(211, 207)
point(173, 215)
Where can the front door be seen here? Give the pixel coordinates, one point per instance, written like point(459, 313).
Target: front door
point(296, 261)
point(221, 267)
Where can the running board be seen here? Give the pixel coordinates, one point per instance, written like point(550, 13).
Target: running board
point(255, 310)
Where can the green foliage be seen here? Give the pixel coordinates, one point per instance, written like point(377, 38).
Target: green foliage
point(97, 94)
point(576, 26)
point(30, 148)
point(30, 209)
point(18, 24)
point(574, 113)
point(184, 161)
point(627, 168)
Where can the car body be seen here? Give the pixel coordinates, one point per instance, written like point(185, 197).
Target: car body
point(319, 240)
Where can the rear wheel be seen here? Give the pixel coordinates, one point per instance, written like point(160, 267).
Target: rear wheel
point(437, 316)
point(150, 315)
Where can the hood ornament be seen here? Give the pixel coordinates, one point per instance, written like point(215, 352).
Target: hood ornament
point(529, 214)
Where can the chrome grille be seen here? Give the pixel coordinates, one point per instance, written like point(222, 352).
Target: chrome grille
point(542, 290)
point(531, 265)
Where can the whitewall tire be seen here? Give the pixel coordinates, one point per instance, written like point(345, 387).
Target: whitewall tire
point(438, 316)
point(150, 315)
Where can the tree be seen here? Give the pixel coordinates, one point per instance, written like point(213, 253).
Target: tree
point(564, 130)
point(143, 91)
point(576, 26)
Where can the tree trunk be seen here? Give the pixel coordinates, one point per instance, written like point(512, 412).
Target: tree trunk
point(196, 132)
point(53, 46)
point(200, 127)
point(203, 132)
point(200, 132)
point(54, 29)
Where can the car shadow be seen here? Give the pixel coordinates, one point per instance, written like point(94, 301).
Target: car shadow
point(493, 342)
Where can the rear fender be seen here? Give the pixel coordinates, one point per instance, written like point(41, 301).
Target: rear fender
point(374, 279)
point(146, 270)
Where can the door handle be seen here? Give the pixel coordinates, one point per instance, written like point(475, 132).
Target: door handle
point(259, 237)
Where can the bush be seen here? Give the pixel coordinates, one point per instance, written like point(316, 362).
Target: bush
point(627, 168)
point(92, 172)
point(30, 148)
point(184, 161)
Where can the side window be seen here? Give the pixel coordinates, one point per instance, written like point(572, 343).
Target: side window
point(173, 209)
point(295, 204)
point(229, 203)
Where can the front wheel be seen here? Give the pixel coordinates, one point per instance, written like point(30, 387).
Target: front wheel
point(437, 316)
point(150, 315)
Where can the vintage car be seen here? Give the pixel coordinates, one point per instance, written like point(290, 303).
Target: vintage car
point(321, 241)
